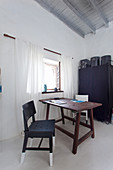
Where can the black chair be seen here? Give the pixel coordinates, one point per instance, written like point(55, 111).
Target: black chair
point(37, 129)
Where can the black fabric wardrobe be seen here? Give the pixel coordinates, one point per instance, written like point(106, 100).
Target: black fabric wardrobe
point(97, 82)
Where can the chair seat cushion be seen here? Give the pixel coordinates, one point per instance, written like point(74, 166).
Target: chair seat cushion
point(42, 127)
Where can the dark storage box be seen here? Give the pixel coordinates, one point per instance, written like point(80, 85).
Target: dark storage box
point(84, 63)
point(95, 61)
point(106, 59)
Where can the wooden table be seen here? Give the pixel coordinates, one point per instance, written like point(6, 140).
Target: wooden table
point(74, 106)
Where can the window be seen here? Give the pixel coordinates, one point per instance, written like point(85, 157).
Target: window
point(52, 74)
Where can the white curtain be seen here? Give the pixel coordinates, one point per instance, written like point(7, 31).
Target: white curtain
point(28, 74)
point(67, 76)
point(67, 79)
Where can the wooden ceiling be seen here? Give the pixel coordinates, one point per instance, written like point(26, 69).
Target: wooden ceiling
point(82, 16)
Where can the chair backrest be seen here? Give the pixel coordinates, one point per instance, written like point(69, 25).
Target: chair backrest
point(82, 97)
point(28, 112)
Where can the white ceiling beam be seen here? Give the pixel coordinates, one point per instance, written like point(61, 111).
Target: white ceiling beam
point(99, 11)
point(80, 15)
point(67, 22)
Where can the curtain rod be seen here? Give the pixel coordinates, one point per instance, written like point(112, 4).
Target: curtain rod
point(9, 36)
point(6, 35)
point(52, 51)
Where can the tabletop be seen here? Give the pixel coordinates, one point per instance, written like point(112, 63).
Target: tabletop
point(71, 104)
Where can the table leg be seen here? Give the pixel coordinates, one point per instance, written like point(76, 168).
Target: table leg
point(62, 113)
point(92, 123)
point(47, 112)
point(76, 133)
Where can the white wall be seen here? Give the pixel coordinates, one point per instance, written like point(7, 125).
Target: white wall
point(26, 20)
point(8, 123)
point(101, 43)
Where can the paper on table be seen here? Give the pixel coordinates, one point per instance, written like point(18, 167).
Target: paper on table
point(58, 101)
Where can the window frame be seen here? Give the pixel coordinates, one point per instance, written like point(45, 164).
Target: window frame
point(48, 55)
point(59, 80)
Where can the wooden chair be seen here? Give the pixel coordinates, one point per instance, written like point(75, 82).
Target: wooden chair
point(37, 129)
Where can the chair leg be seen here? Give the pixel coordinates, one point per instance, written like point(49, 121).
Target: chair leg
point(22, 157)
point(51, 159)
point(53, 141)
point(73, 114)
point(51, 151)
point(86, 117)
point(24, 149)
point(31, 141)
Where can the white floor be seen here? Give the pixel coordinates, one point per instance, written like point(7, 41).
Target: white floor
point(93, 154)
